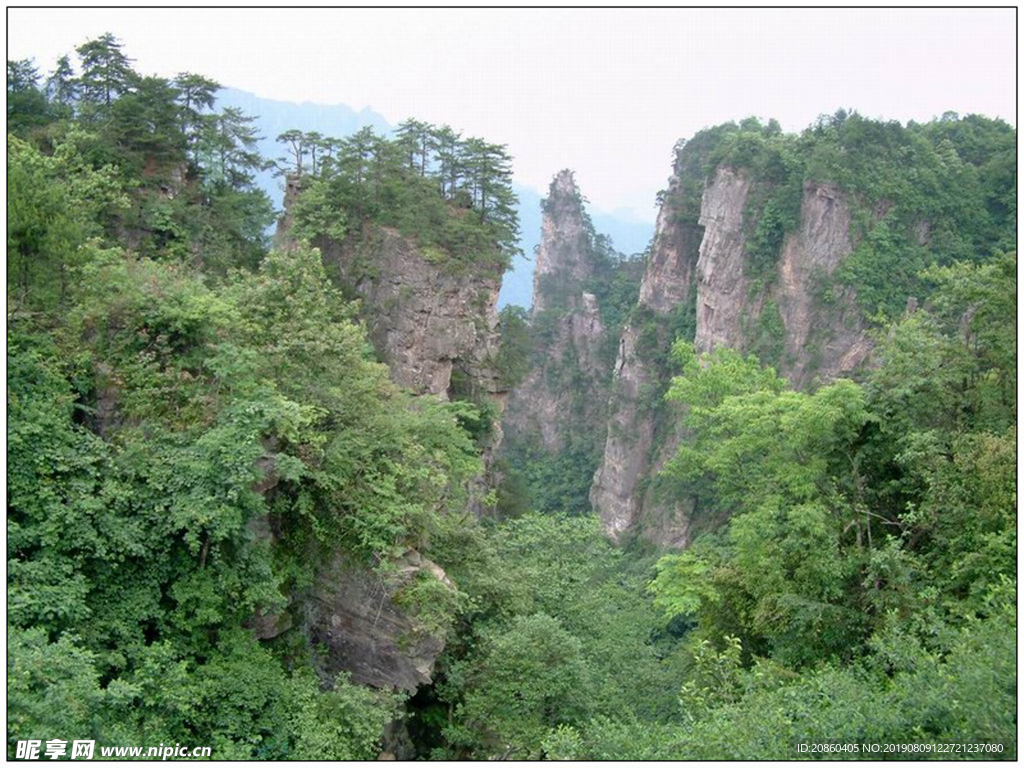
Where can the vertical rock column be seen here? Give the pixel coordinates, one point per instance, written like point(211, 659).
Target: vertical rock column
point(559, 400)
point(667, 284)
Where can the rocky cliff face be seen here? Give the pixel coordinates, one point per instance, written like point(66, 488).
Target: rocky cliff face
point(825, 340)
point(705, 261)
point(429, 322)
point(563, 258)
point(723, 289)
point(434, 323)
point(356, 620)
point(627, 447)
point(363, 626)
point(639, 378)
point(821, 338)
point(567, 328)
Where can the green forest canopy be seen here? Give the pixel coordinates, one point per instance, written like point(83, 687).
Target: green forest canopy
point(444, 191)
point(160, 359)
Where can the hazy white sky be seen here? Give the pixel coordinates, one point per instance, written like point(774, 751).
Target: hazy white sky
point(605, 92)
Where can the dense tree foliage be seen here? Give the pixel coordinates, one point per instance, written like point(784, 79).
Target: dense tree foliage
point(175, 389)
point(862, 592)
point(170, 386)
point(558, 631)
point(863, 587)
point(871, 525)
point(452, 195)
point(190, 169)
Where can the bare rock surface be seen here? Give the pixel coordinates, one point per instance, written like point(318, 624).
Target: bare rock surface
point(833, 338)
point(546, 404)
point(667, 284)
point(425, 317)
point(723, 290)
point(354, 616)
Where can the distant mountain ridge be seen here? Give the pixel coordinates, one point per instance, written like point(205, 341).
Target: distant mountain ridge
point(275, 117)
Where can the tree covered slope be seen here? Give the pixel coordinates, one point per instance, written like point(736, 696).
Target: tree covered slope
point(203, 430)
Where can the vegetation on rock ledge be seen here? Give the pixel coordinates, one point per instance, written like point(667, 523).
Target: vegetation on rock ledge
point(452, 195)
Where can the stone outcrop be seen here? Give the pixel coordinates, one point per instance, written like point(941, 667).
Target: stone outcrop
point(292, 190)
point(628, 444)
point(434, 322)
point(667, 285)
point(359, 621)
point(723, 290)
point(560, 399)
point(354, 618)
point(429, 318)
point(822, 340)
point(668, 277)
point(563, 257)
point(544, 404)
point(427, 321)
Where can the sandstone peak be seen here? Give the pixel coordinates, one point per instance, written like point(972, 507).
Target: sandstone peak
point(565, 253)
